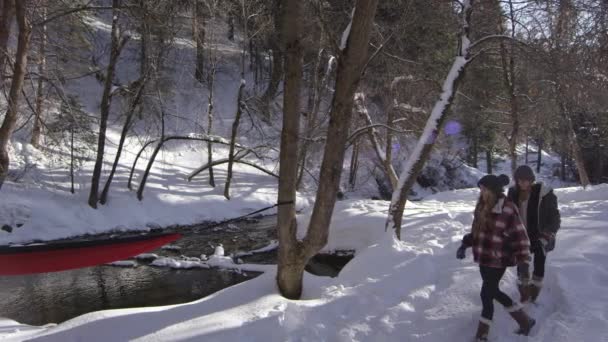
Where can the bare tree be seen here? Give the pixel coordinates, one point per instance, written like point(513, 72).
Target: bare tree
point(19, 70)
point(293, 253)
point(138, 88)
point(38, 120)
point(117, 43)
point(198, 28)
point(239, 101)
point(508, 67)
point(6, 19)
point(434, 124)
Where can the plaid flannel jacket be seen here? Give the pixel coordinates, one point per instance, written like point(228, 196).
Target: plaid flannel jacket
point(505, 245)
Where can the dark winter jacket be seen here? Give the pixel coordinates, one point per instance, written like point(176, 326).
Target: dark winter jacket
point(504, 245)
point(543, 217)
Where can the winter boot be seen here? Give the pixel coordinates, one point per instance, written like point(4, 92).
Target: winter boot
point(535, 287)
point(524, 290)
point(482, 330)
point(525, 322)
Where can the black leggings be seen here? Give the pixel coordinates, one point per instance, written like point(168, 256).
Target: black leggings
point(489, 291)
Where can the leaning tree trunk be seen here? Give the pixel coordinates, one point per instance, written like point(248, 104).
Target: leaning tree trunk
point(105, 105)
point(6, 19)
point(235, 128)
point(294, 254)
point(387, 166)
point(433, 127)
point(38, 122)
point(10, 119)
point(123, 136)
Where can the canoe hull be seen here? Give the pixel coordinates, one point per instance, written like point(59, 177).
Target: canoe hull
point(65, 256)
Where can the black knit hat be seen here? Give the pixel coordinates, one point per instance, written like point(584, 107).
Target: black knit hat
point(494, 183)
point(524, 172)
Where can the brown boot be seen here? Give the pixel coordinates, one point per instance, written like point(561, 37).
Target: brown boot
point(525, 322)
point(482, 332)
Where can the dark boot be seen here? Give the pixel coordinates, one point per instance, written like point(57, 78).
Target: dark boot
point(525, 322)
point(482, 332)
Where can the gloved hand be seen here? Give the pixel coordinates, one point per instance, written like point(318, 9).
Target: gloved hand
point(461, 252)
point(548, 241)
point(538, 246)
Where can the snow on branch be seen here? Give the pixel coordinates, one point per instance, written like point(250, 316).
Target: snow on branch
point(417, 158)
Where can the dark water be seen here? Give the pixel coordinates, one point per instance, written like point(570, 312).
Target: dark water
point(56, 297)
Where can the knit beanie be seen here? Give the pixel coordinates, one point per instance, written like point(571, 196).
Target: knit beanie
point(494, 183)
point(524, 172)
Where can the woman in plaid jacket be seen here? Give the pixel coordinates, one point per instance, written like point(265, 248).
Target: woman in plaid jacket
point(499, 240)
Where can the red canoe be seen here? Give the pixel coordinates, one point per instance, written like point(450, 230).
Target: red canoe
point(61, 256)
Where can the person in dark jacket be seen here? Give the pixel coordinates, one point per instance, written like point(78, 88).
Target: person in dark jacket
point(499, 240)
point(537, 206)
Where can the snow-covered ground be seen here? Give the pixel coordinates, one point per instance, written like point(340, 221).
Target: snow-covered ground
point(413, 290)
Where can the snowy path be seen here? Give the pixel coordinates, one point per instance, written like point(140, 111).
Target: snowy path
point(391, 291)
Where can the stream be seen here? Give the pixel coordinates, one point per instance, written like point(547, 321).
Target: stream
point(39, 299)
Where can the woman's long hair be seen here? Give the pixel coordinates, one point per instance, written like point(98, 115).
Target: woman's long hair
point(482, 217)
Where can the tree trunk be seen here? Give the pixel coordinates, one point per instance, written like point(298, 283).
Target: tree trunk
point(38, 121)
point(116, 46)
point(508, 69)
point(489, 161)
point(231, 27)
point(144, 178)
point(123, 136)
point(20, 68)
point(6, 19)
point(577, 153)
point(574, 147)
point(72, 158)
point(433, 127)
point(527, 149)
point(290, 262)
point(199, 35)
point(475, 150)
point(313, 94)
point(387, 166)
point(388, 161)
point(235, 128)
point(312, 120)
point(563, 158)
point(209, 126)
point(276, 73)
point(293, 255)
point(354, 165)
point(539, 155)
